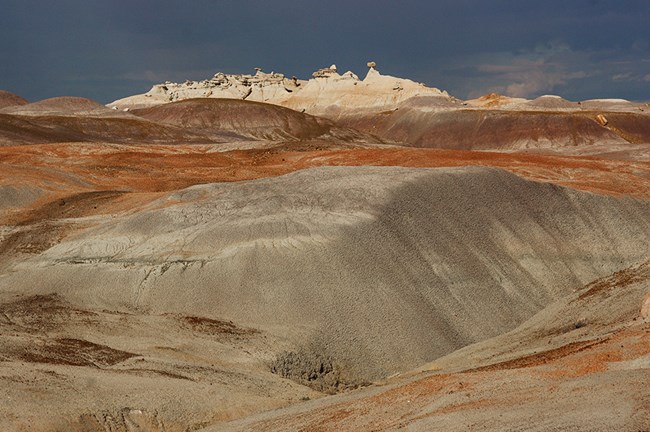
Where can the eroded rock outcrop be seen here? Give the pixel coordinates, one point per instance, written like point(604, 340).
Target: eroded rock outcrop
point(260, 87)
point(334, 95)
point(326, 93)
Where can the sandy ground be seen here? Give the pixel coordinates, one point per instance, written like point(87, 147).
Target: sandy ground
point(66, 368)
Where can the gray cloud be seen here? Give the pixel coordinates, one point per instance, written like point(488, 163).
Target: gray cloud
point(526, 73)
point(109, 49)
point(553, 67)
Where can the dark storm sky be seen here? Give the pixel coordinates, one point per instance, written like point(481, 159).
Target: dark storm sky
point(105, 50)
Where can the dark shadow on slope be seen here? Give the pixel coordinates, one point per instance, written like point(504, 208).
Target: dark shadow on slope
point(465, 256)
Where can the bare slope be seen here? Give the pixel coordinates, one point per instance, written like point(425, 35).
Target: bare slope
point(63, 106)
point(246, 118)
point(67, 368)
point(550, 103)
point(75, 119)
point(8, 99)
point(20, 130)
point(381, 269)
point(504, 130)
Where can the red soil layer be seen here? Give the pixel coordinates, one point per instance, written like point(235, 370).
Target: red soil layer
point(91, 179)
point(618, 280)
point(622, 346)
point(83, 167)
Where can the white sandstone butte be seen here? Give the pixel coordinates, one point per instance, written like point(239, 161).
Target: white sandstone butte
point(326, 93)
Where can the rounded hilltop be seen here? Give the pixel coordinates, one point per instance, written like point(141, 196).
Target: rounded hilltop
point(8, 99)
point(62, 106)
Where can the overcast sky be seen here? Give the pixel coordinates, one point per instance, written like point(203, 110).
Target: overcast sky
point(105, 50)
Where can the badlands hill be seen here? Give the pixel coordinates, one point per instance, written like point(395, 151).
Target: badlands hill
point(37, 129)
point(506, 130)
point(532, 371)
point(409, 113)
point(75, 119)
point(9, 100)
point(245, 118)
point(62, 106)
point(72, 119)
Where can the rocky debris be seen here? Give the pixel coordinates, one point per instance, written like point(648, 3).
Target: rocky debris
point(318, 371)
point(214, 327)
point(600, 118)
point(42, 313)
